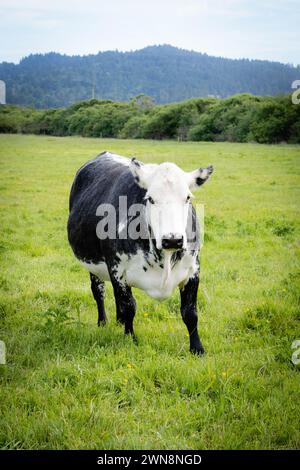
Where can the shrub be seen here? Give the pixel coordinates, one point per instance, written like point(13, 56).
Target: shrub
point(240, 118)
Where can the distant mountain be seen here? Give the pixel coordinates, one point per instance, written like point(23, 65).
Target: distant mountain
point(164, 72)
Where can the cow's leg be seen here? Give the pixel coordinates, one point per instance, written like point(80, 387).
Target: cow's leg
point(98, 289)
point(125, 306)
point(188, 295)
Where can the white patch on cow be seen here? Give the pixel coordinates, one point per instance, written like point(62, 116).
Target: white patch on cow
point(100, 270)
point(168, 195)
point(158, 282)
point(167, 199)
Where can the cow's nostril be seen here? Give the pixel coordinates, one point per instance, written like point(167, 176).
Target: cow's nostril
point(172, 243)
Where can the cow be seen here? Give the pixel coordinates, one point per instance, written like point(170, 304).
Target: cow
point(164, 258)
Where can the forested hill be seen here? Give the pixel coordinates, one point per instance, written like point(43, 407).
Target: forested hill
point(164, 72)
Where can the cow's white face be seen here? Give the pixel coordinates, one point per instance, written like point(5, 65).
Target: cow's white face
point(168, 197)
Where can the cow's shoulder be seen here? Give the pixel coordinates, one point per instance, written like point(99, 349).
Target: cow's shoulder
point(97, 177)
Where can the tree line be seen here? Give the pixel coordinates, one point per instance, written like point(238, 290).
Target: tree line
point(167, 73)
point(240, 118)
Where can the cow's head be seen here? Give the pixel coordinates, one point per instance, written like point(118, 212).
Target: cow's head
point(168, 194)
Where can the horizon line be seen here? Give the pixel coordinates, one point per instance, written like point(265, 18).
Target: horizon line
point(294, 65)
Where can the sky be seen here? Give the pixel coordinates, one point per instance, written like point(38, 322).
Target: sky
point(255, 29)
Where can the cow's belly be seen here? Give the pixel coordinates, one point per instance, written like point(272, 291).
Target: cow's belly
point(151, 279)
point(154, 280)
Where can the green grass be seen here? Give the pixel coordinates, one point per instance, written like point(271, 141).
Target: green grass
point(68, 384)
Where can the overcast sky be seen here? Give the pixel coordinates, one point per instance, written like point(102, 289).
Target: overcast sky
point(261, 29)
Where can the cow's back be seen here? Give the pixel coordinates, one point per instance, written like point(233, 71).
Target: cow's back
point(99, 181)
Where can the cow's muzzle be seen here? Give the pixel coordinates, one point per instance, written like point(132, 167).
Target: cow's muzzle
point(172, 242)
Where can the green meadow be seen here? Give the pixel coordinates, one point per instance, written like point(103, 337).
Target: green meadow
point(68, 384)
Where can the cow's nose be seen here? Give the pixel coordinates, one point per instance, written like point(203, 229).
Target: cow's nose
point(172, 242)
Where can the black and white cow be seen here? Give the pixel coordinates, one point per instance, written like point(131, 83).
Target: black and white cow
point(165, 258)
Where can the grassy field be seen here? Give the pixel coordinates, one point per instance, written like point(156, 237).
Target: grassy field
point(68, 384)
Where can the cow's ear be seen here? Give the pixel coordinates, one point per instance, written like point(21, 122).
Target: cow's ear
point(198, 177)
point(142, 173)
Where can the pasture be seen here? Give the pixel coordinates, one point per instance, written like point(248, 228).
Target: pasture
point(69, 385)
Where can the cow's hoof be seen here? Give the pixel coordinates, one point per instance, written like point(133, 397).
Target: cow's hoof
point(102, 322)
point(135, 339)
point(133, 336)
point(198, 351)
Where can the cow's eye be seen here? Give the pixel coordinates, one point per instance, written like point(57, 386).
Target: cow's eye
point(149, 198)
point(188, 198)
